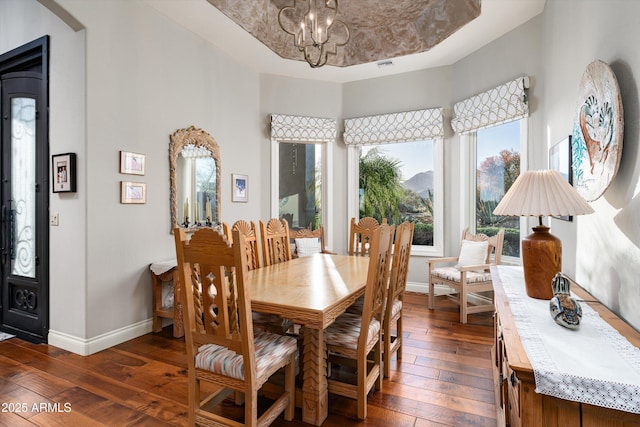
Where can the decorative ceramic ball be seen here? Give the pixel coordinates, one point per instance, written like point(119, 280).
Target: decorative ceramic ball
point(564, 309)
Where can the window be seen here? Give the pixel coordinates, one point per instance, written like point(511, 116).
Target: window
point(395, 164)
point(396, 182)
point(301, 153)
point(300, 184)
point(497, 165)
point(400, 182)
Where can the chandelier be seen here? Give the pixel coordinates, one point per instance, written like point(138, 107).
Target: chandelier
point(316, 32)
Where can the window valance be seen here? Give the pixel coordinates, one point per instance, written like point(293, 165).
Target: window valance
point(501, 104)
point(395, 127)
point(301, 128)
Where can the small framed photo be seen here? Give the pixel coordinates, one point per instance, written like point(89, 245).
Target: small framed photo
point(131, 163)
point(133, 192)
point(240, 188)
point(63, 171)
point(560, 160)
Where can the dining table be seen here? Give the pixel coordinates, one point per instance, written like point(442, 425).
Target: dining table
point(311, 291)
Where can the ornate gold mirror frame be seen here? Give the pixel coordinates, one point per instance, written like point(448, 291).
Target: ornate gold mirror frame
point(194, 139)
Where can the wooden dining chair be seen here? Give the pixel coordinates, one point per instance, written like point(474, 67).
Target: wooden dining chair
point(249, 231)
point(392, 343)
point(307, 241)
point(360, 234)
point(276, 247)
point(221, 345)
point(357, 339)
point(470, 277)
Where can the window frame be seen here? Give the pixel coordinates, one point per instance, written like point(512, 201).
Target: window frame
point(468, 180)
point(353, 202)
point(326, 177)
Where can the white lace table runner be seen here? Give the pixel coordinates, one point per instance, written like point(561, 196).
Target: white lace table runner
point(160, 267)
point(593, 364)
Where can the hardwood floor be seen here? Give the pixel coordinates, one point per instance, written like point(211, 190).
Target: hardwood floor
point(443, 379)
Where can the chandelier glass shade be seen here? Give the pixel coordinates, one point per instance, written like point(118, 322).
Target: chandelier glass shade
point(316, 31)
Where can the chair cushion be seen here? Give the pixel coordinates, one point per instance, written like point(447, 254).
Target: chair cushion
point(308, 246)
point(270, 350)
point(473, 253)
point(344, 332)
point(453, 274)
point(397, 306)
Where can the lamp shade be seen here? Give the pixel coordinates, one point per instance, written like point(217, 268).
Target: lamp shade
point(542, 192)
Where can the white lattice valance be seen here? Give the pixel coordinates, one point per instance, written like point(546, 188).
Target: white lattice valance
point(301, 128)
point(395, 127)
point(501, 104)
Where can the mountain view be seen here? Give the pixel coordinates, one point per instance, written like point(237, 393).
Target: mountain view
point(421, 183)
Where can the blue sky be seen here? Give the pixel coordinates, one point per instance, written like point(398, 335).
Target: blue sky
point(418, 156)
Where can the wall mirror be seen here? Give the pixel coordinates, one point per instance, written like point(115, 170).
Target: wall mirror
point(194, 174)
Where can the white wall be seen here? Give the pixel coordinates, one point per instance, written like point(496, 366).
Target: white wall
point(133, 77)
point(601, 250)
point(21, 22)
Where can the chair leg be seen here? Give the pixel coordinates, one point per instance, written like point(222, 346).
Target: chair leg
point(399, 337)
point(463, 306)
point(362, 390)
point(431, 295)
point(251, 408)
point(194, 397)
point(290, 387)
point(386, 353)
point(377, 351)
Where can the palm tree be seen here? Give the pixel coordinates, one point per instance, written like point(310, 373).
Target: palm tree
point(380, 182)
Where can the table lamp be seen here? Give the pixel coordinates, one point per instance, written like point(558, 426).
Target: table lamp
point(538, 193)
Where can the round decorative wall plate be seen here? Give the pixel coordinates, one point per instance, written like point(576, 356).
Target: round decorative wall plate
point(598, 130)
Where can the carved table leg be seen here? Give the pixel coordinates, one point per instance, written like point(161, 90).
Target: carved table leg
point(314, 386)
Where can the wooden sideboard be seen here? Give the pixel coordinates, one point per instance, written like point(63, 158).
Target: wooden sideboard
point(517, 402)
point(161, 311)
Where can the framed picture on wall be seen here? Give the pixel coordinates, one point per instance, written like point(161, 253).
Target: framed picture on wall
point(131, 163)
point(560, 160)
point(133, 192)
point(240, 189)
point(63, 171)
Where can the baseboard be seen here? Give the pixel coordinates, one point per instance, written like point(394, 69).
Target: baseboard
point(419, 287)
point(423, 288)
point(85, 347)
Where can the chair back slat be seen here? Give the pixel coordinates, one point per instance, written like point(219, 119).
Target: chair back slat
point(276, 247)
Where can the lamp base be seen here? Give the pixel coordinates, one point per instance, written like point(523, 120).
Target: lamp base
point(541, 260)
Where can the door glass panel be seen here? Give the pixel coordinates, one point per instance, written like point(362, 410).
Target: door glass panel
point(23, 181)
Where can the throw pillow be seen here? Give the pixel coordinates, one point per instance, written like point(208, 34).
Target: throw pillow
point(308, 246)
point(473, 253)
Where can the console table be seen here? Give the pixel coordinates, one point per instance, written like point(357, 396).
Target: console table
point(166, 272)
point(517, 401)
